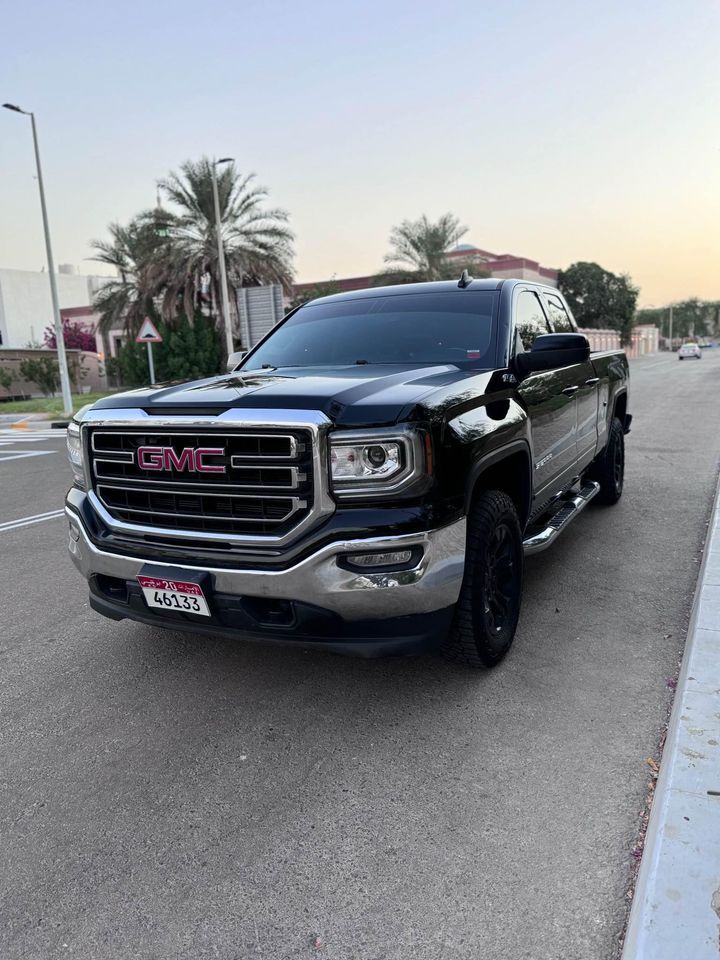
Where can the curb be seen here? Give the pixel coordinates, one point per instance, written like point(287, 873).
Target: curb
point(675, 912)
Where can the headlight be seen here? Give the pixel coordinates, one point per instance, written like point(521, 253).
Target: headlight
point(378, 462)
point(75, 454)
point(363, 460)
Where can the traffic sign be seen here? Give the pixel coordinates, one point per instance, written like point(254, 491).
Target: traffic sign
point(148, 333)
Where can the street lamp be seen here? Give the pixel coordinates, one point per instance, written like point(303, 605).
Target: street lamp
point(221, 254)
point(59, 339)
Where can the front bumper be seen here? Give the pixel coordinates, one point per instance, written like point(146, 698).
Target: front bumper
point(316, 599)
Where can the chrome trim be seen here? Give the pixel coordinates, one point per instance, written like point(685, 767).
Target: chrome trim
point(292, 455)
point(296, 478)
point(433, 584)
point(294, 449)
point(123, 456)
point(140, 421)
point(411, 440)
point(297, 504)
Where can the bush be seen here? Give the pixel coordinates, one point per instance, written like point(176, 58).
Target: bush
point(6, 379)
point(43, 372)
point(188, 352)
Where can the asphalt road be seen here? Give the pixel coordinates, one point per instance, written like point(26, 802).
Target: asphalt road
point(164, 796)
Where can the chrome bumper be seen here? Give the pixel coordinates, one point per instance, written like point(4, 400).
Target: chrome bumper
point(432, 585)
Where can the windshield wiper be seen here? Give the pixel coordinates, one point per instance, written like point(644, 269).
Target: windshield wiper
point(267, 366)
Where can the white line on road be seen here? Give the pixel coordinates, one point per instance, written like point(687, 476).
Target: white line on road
point(14, 436)
point(20, 454)
point(26, 521)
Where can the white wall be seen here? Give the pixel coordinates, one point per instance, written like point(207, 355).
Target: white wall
point(26, 304)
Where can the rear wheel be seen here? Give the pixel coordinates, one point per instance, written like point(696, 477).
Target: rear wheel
point(488, 608)
point(608, 469)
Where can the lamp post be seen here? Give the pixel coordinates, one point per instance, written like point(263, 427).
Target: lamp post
point(221, 254)
point(59, 339)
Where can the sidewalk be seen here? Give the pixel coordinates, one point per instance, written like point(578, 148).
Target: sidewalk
point(675, 913)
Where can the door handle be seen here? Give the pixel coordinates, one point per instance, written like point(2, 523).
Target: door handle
point(591, 381)
point(570, 391)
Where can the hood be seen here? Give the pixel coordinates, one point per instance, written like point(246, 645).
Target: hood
point(373, 394)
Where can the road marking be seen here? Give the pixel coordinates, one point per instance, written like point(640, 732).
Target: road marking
point(19, 455)
point(12, 436)
point(27, 521)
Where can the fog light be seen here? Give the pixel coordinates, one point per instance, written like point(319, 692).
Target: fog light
point(395, 559)
point(74, 532)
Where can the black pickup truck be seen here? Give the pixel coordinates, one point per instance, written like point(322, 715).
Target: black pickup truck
point(368, 478)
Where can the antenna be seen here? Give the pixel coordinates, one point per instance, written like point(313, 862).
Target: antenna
point(465, 280)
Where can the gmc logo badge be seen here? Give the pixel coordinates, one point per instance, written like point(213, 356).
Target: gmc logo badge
point(190, 459)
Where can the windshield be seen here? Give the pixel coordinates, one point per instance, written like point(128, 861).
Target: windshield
point(455, 327)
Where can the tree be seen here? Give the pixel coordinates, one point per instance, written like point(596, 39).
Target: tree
point(691, 318)
point(189, 351)
point(312, 293)
point(43, 372)
point(6, 379)
point(420, 250)
point(257, 240)
point(123, 302)
point(600, 299)
point(76, 336)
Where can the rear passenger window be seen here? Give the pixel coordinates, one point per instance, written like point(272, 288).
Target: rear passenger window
point(558, 315)
point(530, 319)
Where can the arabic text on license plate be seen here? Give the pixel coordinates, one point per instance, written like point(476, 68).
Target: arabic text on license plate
point(174, 595)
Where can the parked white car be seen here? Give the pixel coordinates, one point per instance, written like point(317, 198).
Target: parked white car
point(689, 350)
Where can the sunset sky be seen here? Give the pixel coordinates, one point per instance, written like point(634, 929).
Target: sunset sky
point(558, 131)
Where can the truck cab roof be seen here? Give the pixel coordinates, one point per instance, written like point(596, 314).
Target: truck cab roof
point(433, 286)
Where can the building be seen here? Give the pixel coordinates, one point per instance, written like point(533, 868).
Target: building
point(501, 265)
point(504, 265)
point(26, 302)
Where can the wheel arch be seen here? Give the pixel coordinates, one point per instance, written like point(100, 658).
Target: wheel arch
point(507, 468)
point(620, 405)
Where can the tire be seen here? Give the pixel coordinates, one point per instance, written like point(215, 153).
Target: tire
point(608, 469)
point(488, 608)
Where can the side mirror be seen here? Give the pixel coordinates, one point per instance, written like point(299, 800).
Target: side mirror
point(234, 359)
point(550, 351)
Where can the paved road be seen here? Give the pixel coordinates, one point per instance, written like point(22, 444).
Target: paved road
point(170, 797)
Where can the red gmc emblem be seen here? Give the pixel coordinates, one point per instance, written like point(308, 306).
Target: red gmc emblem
point(190, 459)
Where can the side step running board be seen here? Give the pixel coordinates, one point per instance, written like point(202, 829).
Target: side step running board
point(560, 520)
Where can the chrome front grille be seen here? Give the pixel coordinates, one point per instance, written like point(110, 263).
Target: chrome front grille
point(247, 484)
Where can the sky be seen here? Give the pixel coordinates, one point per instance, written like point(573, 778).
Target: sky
point(559, 131)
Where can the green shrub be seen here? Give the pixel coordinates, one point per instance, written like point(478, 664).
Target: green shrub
point(43, 372)
point(188, 352)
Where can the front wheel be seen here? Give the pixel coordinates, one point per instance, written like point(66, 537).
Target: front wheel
point(608, 469)
point(488, 608)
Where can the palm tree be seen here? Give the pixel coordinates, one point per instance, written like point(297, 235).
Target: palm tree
point(420, 250)
point(123, 302)
point(256, 239)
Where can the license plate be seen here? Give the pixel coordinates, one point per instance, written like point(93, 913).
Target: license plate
point(176, 595)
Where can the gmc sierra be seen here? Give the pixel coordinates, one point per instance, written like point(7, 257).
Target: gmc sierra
point(368, 478)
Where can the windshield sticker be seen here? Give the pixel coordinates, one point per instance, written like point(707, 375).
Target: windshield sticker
point(472, 354)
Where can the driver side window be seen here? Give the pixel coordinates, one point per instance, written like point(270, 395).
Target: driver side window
point(530, 320)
